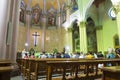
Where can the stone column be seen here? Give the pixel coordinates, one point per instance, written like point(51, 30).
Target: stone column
point(43, 32)
point(15, 22)
point(4, 8)
point(99, 34)
point(28, 20)
point(68, 36)
point(59, 34)
point(10, 28)
point(118, 24)
point(83, 37)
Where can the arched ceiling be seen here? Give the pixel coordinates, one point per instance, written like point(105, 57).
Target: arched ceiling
point(97, 2)
point(55, 4)
point(50, 8)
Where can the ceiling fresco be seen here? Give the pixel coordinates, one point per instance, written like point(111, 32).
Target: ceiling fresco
point(50, 8)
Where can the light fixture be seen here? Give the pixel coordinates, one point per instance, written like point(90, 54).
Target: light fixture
point(26, 44)
point(111, 13)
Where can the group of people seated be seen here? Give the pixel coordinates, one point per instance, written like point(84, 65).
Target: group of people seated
point(110, 54)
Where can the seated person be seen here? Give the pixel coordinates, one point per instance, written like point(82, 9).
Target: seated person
point(26, 55)
point(100, 55)
point(32, 55)
point(89, 55)
point(58, 55)
point(110, 54)
point(82, 55)
point(43, 55)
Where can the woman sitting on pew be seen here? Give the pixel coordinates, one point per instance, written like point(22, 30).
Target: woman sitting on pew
point(32, 55)
point(110, 54)
point(26, 55)
point(89, 55)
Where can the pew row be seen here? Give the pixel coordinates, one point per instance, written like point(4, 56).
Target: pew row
point(5, 69)
point(91, 68)
point(70, 69)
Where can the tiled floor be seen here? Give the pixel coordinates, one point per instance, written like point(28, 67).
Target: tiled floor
point(17, 78)
point(21, 78)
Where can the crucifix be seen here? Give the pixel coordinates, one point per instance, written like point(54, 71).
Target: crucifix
point(35, 35)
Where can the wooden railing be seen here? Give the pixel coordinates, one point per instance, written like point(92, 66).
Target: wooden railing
point(92, 71)
point(76, 68)
point(5, 69)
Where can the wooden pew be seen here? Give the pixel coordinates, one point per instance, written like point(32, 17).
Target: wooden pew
point(76, 64)
point(30, 69)
point(5, 69)
point(41, 66)
point(111, 73)
point(38, 67)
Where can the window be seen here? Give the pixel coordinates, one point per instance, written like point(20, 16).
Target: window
point(111, 13)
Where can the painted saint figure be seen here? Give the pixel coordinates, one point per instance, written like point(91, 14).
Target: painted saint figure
point(36, 16)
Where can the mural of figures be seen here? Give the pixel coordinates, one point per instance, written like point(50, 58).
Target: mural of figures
point(21, 18)
point(36, 16)
point(36, 12)
point(51, 17)
point(91, 35)
point(22, 12)
point(51, 21)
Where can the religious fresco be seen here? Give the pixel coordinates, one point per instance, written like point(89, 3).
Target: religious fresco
point(22, 12)
point(36, 12)
point(116, 41)
point(21, 18)
point(91, 35)
point(51, 18)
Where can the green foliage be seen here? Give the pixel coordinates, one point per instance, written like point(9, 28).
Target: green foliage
point(55, 51)
point(31, 51)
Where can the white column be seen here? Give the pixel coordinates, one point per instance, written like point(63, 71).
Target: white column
point(3, 26)
point(28, 19)
point(59, 32)
point(118, 25)
point(15, 22)
point(43, 32)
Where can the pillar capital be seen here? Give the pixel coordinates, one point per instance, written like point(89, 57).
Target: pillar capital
point(99, 27)
point(82, 24)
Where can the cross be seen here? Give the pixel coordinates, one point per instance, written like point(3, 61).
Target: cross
point(35, 35)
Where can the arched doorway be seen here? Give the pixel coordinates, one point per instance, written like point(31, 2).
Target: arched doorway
point(75, 36)
point(91, 35)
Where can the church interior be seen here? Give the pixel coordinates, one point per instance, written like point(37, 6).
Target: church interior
point(57, 34)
